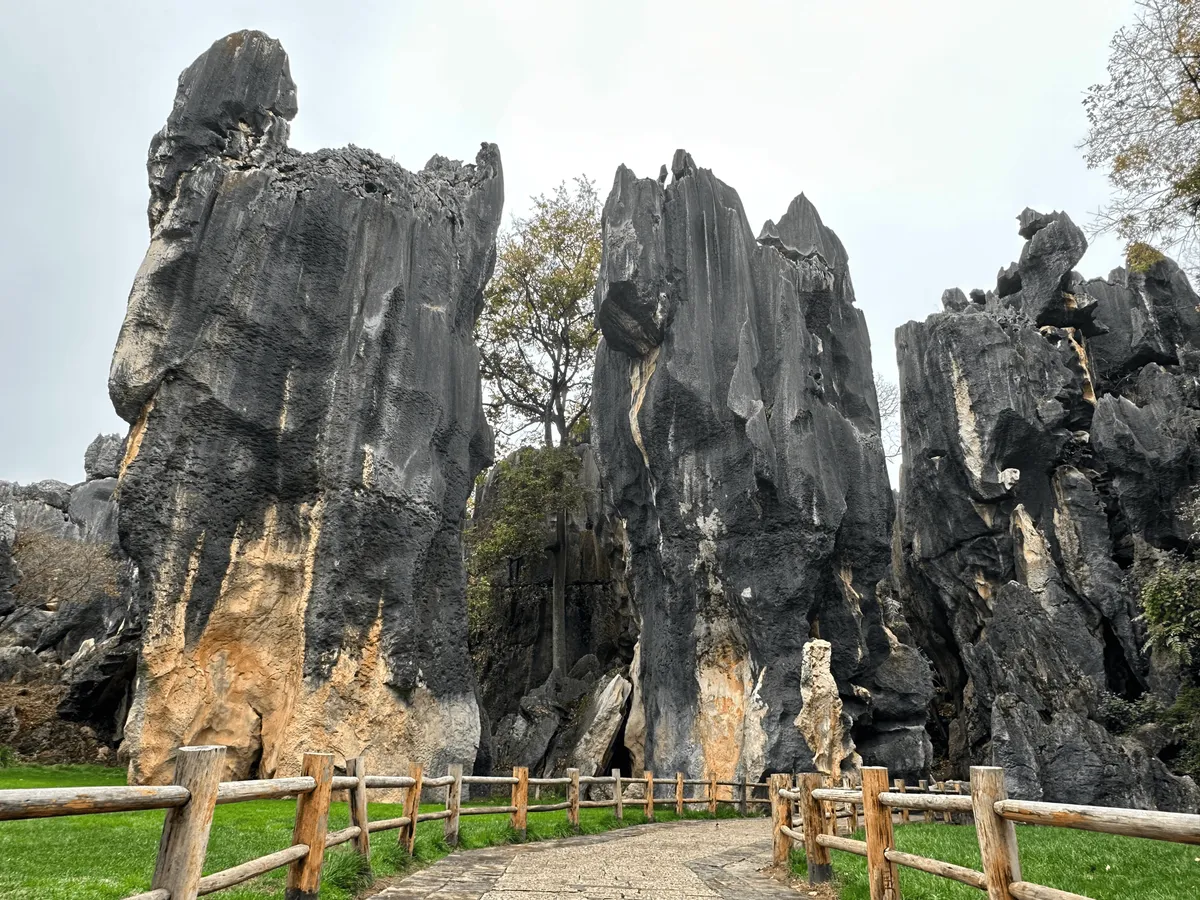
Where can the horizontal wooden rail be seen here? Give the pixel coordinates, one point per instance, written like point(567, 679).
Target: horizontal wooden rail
point(934, 802)
point(263, 789)
point(488, 779)
point(846, 845)
point(45, 802)
point(796, 836)
point(937, 867)
point(333, 838)
point(388, 824)
point(549, 807)
point(837, 795)
point(440, 781)
point(1181, 828)
point(390, 781)
point(343, 782)
point(594, 779)
point(793, 795)
point(486, 810)
point(434, 816)
point(550, 781)
point(226, 878)
point(1023, 890)
point(597, 804)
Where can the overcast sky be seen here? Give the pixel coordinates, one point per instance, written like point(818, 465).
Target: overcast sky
point(919, 129)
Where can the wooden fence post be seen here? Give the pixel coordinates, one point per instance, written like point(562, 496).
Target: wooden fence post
point(357, 767)
point(184, 841)
point(923, 787)
point(407, 836)
point(883, 875)
point(901, 788)
point(743, 797)
point(453, 803)
point(649, 808)
point(679, 794)
point(712, 793)
point(941, 789)
point(997, 836)
point(520, 799)
point(781, 817)
point(820, 867)
point(618, 795)
point(573, 798)
point(312, 823)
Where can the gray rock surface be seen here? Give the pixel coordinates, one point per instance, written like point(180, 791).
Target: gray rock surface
point(297, 368)
point(735, 416)
point(1049, 432)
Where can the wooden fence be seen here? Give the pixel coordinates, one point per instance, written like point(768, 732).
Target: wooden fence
point(197, 790)
point(987, 804)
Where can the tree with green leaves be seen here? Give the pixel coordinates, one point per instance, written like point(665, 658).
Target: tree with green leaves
point(537, 332)
point(537, 339)
point(1144, 130)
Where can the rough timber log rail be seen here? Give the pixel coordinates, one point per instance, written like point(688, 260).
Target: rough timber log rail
point(801, 807)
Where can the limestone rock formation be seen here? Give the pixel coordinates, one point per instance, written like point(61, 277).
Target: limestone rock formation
point(528, 714)
point(297, 368)
point(822, 720)
point(738, 430)
point(1050, 437)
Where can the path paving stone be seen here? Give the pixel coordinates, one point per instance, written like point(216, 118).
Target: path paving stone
point(676, 861)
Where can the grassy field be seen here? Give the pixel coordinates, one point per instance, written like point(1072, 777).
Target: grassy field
point(110, 856)
point(1102, 866)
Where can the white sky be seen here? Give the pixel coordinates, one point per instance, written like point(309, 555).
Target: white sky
point(919, 129)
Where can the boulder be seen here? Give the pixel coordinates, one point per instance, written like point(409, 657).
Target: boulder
point(297, 368)
point(737, 429)
point(102, 459)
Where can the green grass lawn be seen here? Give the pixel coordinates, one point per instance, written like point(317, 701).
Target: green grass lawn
point(1102, 866)
point(111, 855)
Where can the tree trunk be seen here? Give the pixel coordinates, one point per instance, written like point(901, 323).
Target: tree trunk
point(558, 603)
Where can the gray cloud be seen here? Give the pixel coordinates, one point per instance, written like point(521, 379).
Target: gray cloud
point(918, 129)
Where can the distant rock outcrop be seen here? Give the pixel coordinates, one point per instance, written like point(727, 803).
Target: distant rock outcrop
point(68, 637)
point(297, 367)
point(1050, 438)
point(735, 415)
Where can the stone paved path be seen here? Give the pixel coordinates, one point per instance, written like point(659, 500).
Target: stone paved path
point(645, 862)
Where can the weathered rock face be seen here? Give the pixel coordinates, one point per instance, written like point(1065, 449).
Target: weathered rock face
point(68, 643)
point(738, 433)
point(297, 367)
point(1049, 433)
point(526, 712)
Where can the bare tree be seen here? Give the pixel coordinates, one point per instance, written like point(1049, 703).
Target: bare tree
point(888, 395)
point(1145, 131)
point(55, 569)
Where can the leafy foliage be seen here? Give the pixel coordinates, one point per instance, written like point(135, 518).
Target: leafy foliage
point(536, 333)
point(55, 568)
point(1170, 598)
point(530, 485)
point(1145, 127)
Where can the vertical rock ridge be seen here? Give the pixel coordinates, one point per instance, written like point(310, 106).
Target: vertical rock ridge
point(738, 433)
point(297, 367)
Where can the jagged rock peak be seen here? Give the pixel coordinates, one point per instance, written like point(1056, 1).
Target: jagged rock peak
point(731, 369)
point(1047, 432)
